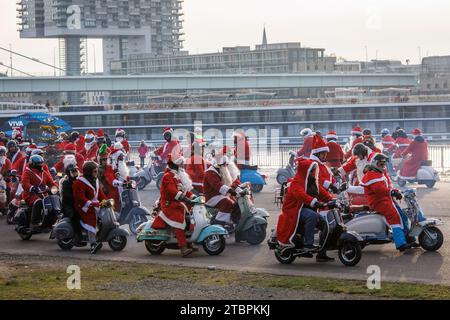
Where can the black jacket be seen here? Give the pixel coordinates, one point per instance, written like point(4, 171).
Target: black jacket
point(67, 198)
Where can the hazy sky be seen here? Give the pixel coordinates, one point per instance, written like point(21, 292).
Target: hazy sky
point(394, 28)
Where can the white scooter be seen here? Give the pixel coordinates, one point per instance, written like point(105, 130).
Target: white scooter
point(374, 229)
point(425, 175)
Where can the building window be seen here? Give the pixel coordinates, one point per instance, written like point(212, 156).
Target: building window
point(436, 86)
point(429, 86)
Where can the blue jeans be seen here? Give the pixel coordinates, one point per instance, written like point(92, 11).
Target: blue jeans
point(307, 224)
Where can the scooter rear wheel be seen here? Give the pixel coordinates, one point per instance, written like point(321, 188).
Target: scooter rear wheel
point(154, 247)
point(256, 188)
point(25, 235)
point(431, 239)
point(65, 244)
point(401, 183)
point(141, 183)
point(214, 244)
point(281, 178)
point(285, 258)
point(256, 234)
point(430, 184)
point(118, 243)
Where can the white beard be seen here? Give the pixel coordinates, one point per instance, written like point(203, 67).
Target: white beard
point(2, 161)
point(234, 171)
point(88, 145)
point(226, 176)
point(123, 169)
point(119, 139)
point(185, 180)
point(360, 165)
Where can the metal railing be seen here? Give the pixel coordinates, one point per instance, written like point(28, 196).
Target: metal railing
point(278, 157)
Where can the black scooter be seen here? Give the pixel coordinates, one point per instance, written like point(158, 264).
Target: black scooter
point(132, 212)
point(333, 236)
point(50, 214)
point(288, 172)
point(107, 231)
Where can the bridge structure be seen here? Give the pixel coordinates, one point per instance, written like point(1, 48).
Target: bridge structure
point(202, 82)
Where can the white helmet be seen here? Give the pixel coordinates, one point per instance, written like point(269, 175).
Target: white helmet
point(306, 132)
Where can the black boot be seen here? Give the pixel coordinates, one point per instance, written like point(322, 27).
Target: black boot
point(322, 257)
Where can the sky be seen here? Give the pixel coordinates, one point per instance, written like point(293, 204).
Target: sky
point(396, 29)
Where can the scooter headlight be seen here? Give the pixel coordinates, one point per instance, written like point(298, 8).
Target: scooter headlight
point(54, 190)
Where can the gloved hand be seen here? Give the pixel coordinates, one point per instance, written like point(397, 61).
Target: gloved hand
point(343, 187)
point(95, 204)
point(232, 192)
point(332, 204)
point(334, 189)
point(320, 205)
point(53, 172)
point(396, 194)
point(35, 189)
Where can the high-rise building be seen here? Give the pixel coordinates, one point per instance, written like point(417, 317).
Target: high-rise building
point(126, 27)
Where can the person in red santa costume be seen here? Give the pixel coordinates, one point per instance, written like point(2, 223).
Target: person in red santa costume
point(14, 154)
point(196, 166)
point(386, 141)
point(220, 185)
point(418, 149)
point(356, 137)
point(78, 141)
point(70, 155)
point(121, 173)
point(62, 141)
point(35, 179)
point(87, 196)
point(90, 147)
point(120, 137)
point(305, 150)
point(17, 134)
point(106, 176)
point(171, 146)
point(335, 156)
point(242, 151)
point(379, 194)
point(304, 197)
point(20, 165)
point(401, 144)
point(5, 173)
point(319, 154)
point(175, 195)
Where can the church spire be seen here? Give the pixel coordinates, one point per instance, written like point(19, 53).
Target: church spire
point(264, 41)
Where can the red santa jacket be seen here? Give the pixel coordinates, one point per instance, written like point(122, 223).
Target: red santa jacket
point(326, 178)
point(80, 161)
point(387, 143)
point(34, 178)
point(14, 158)
point(86, 201)
point(213, 187)
point(242, 151)
point(79, 144)
point(21, 165)
point(378, 192)
point(5, 168)
point(355, 142)
point(335, 156)
point(167, 148)
point(400, 145)
point(126, 145)
point(297, 196)
point(91, 153)
point(61, 145)
point(195, 168)
point(305, 150)
point(106, 179)
point(419, 153)
point(172, 209)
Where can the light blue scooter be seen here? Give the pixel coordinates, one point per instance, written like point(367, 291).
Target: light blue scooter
point(212, 237)
point(256, 179)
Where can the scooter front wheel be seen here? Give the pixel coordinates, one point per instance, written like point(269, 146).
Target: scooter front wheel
point(141, 183)
point(256, 234)
point(214, 244)
point(118, 243)
point(281, 178)
point(350, 253)
point(65, 244)
point(431, 239)
point(285, 257)
point(25, 235)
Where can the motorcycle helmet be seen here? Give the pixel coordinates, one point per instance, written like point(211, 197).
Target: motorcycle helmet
point(360, 150)
point(385, 131)
point(38, 152)
point(74, 136)
point(306, 132)
point(2, 150)
point(367, 132)
point(36, 162)
point(72, 168)
point(12, 144)
point(377, 160)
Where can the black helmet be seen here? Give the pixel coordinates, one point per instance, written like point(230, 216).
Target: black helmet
point(12, 143)
point(74, 136)
point(360, 149)
point(367, 132)
point(36, 162)
point(379, 157)
point(71, 167)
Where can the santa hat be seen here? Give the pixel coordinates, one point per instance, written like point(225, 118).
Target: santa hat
point(176, 159)
point(3, 148)
point(90, 134)
point(168, 129)
point(331, 135)
point(118, 146)
point(357, 130)
point(319, 145)
point(68, 160)
point(16, 133)
point(100, 134)
point(120, 132)
point(70, 147)
point(30, 148)
point(417, 132)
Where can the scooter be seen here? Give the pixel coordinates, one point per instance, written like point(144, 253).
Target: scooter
point(148, 173)
point(132, 168)
point(50, 214)
point(333, 236)
point(252, 224)
point(198, 230)
point(425, 175)
point(288, 172)
point(108, 230)
point(132, 212)
point(374, 229)
point(256, 179)
point(15, 192)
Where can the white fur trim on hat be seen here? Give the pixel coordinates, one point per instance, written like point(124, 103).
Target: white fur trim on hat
point(323, 149)
point(331, 136)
